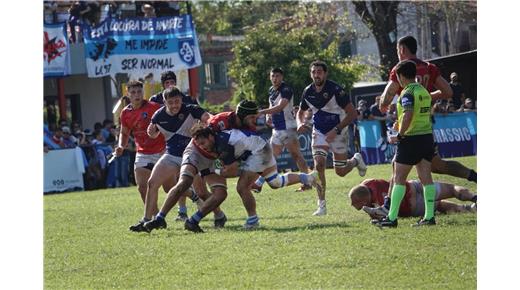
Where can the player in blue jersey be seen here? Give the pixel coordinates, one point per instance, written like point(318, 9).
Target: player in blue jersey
point(173, 121)
point(255, 157)
point(169, 79)
point(332, 113)
point(284, 124)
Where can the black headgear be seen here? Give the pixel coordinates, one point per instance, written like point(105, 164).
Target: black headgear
point(245, 108)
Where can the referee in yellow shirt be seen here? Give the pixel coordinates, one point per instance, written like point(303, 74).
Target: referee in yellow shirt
point(415, 145)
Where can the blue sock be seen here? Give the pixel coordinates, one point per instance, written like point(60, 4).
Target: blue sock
point(196, 217)
point(252, 219)
point(304, 178)
point(260, 181)
point(183, 209)
point(160, 215)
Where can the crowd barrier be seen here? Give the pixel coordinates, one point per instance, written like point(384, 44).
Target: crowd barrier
point(454, 133)
point(63, 170)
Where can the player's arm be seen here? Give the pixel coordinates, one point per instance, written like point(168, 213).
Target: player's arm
point(152, 131)
point(351, 116)
point(124, 135)
point(443, 91)
point(205, 118)
point(388, 94)
point(275, 109)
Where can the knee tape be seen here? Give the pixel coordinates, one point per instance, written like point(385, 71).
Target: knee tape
point(319, 152)
point(276, 180)
point(217, 185)
point(340, 163)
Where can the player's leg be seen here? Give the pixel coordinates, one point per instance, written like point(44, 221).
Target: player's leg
point(453, 168)
point(244, 190)
point(201, 191)
point(293, 146)
point(446, 206)
point(276, 180)
point(187, 173)
point(446, 190)
point(164, 170)
point(277, 147)
point(142, 174)
point(218, 194)
point(320, 164)
point(343, 165)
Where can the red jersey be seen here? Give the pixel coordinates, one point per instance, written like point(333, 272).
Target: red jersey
point(427, 73)
point(137, 121)
point(379, 189)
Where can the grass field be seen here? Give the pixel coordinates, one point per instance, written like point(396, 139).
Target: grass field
point(87, 244)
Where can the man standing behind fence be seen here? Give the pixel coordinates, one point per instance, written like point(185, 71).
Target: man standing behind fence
point(332, 112)
point(284, 124)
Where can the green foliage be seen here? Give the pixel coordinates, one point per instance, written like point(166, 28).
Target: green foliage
point(267, 46)
point(87, 244)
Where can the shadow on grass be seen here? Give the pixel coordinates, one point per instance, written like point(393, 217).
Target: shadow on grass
point(239, 228)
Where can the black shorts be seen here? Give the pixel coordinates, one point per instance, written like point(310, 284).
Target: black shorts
point(412, 149)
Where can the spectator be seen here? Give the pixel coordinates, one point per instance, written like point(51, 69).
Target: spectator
point(468, 106)
point(68, 139)
point(57, 138)
point(126, 9)
point(51, 114)
point(107, 131)
point(451, 107)
point(166, 8)
point(458, 92)
point(76, 10)
point(363, 111)
point(48, 140)
point(49, 11)
point(376, 114)
point(440, 107)
point(148, 10)
point(108, 9)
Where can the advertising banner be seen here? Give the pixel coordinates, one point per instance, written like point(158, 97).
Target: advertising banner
point(63, 170)
point(140, 46)
point(454, 133)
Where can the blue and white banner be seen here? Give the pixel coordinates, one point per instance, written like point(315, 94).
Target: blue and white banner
point(454, 133)
point(139, 46)
point(56, 56)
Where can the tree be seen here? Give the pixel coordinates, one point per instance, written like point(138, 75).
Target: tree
point(292, 47)
point(381, 18)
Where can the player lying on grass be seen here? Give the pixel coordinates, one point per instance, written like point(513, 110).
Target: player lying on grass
point(371, 196)
point(256, 158)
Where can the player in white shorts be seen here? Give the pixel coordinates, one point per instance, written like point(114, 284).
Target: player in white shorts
point(284, 124)
point(332, 113)
point(255, 156)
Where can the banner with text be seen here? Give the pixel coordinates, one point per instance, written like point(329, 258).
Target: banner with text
point(455, 135)
point(140, 46)
point(56, 56)
point(63, 170)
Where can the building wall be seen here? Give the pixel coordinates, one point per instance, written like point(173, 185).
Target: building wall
point(91, 94)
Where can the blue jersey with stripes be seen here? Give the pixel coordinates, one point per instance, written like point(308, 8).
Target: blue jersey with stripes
point(327, 105)
point(235, 144)
point(176, 128)
point(285, 119)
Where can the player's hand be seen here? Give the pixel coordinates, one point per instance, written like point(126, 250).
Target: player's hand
point(152, 130)
point(302, 129)
point(329, 137)
point(119, 151)
point(392, 139)
point(383, 108)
